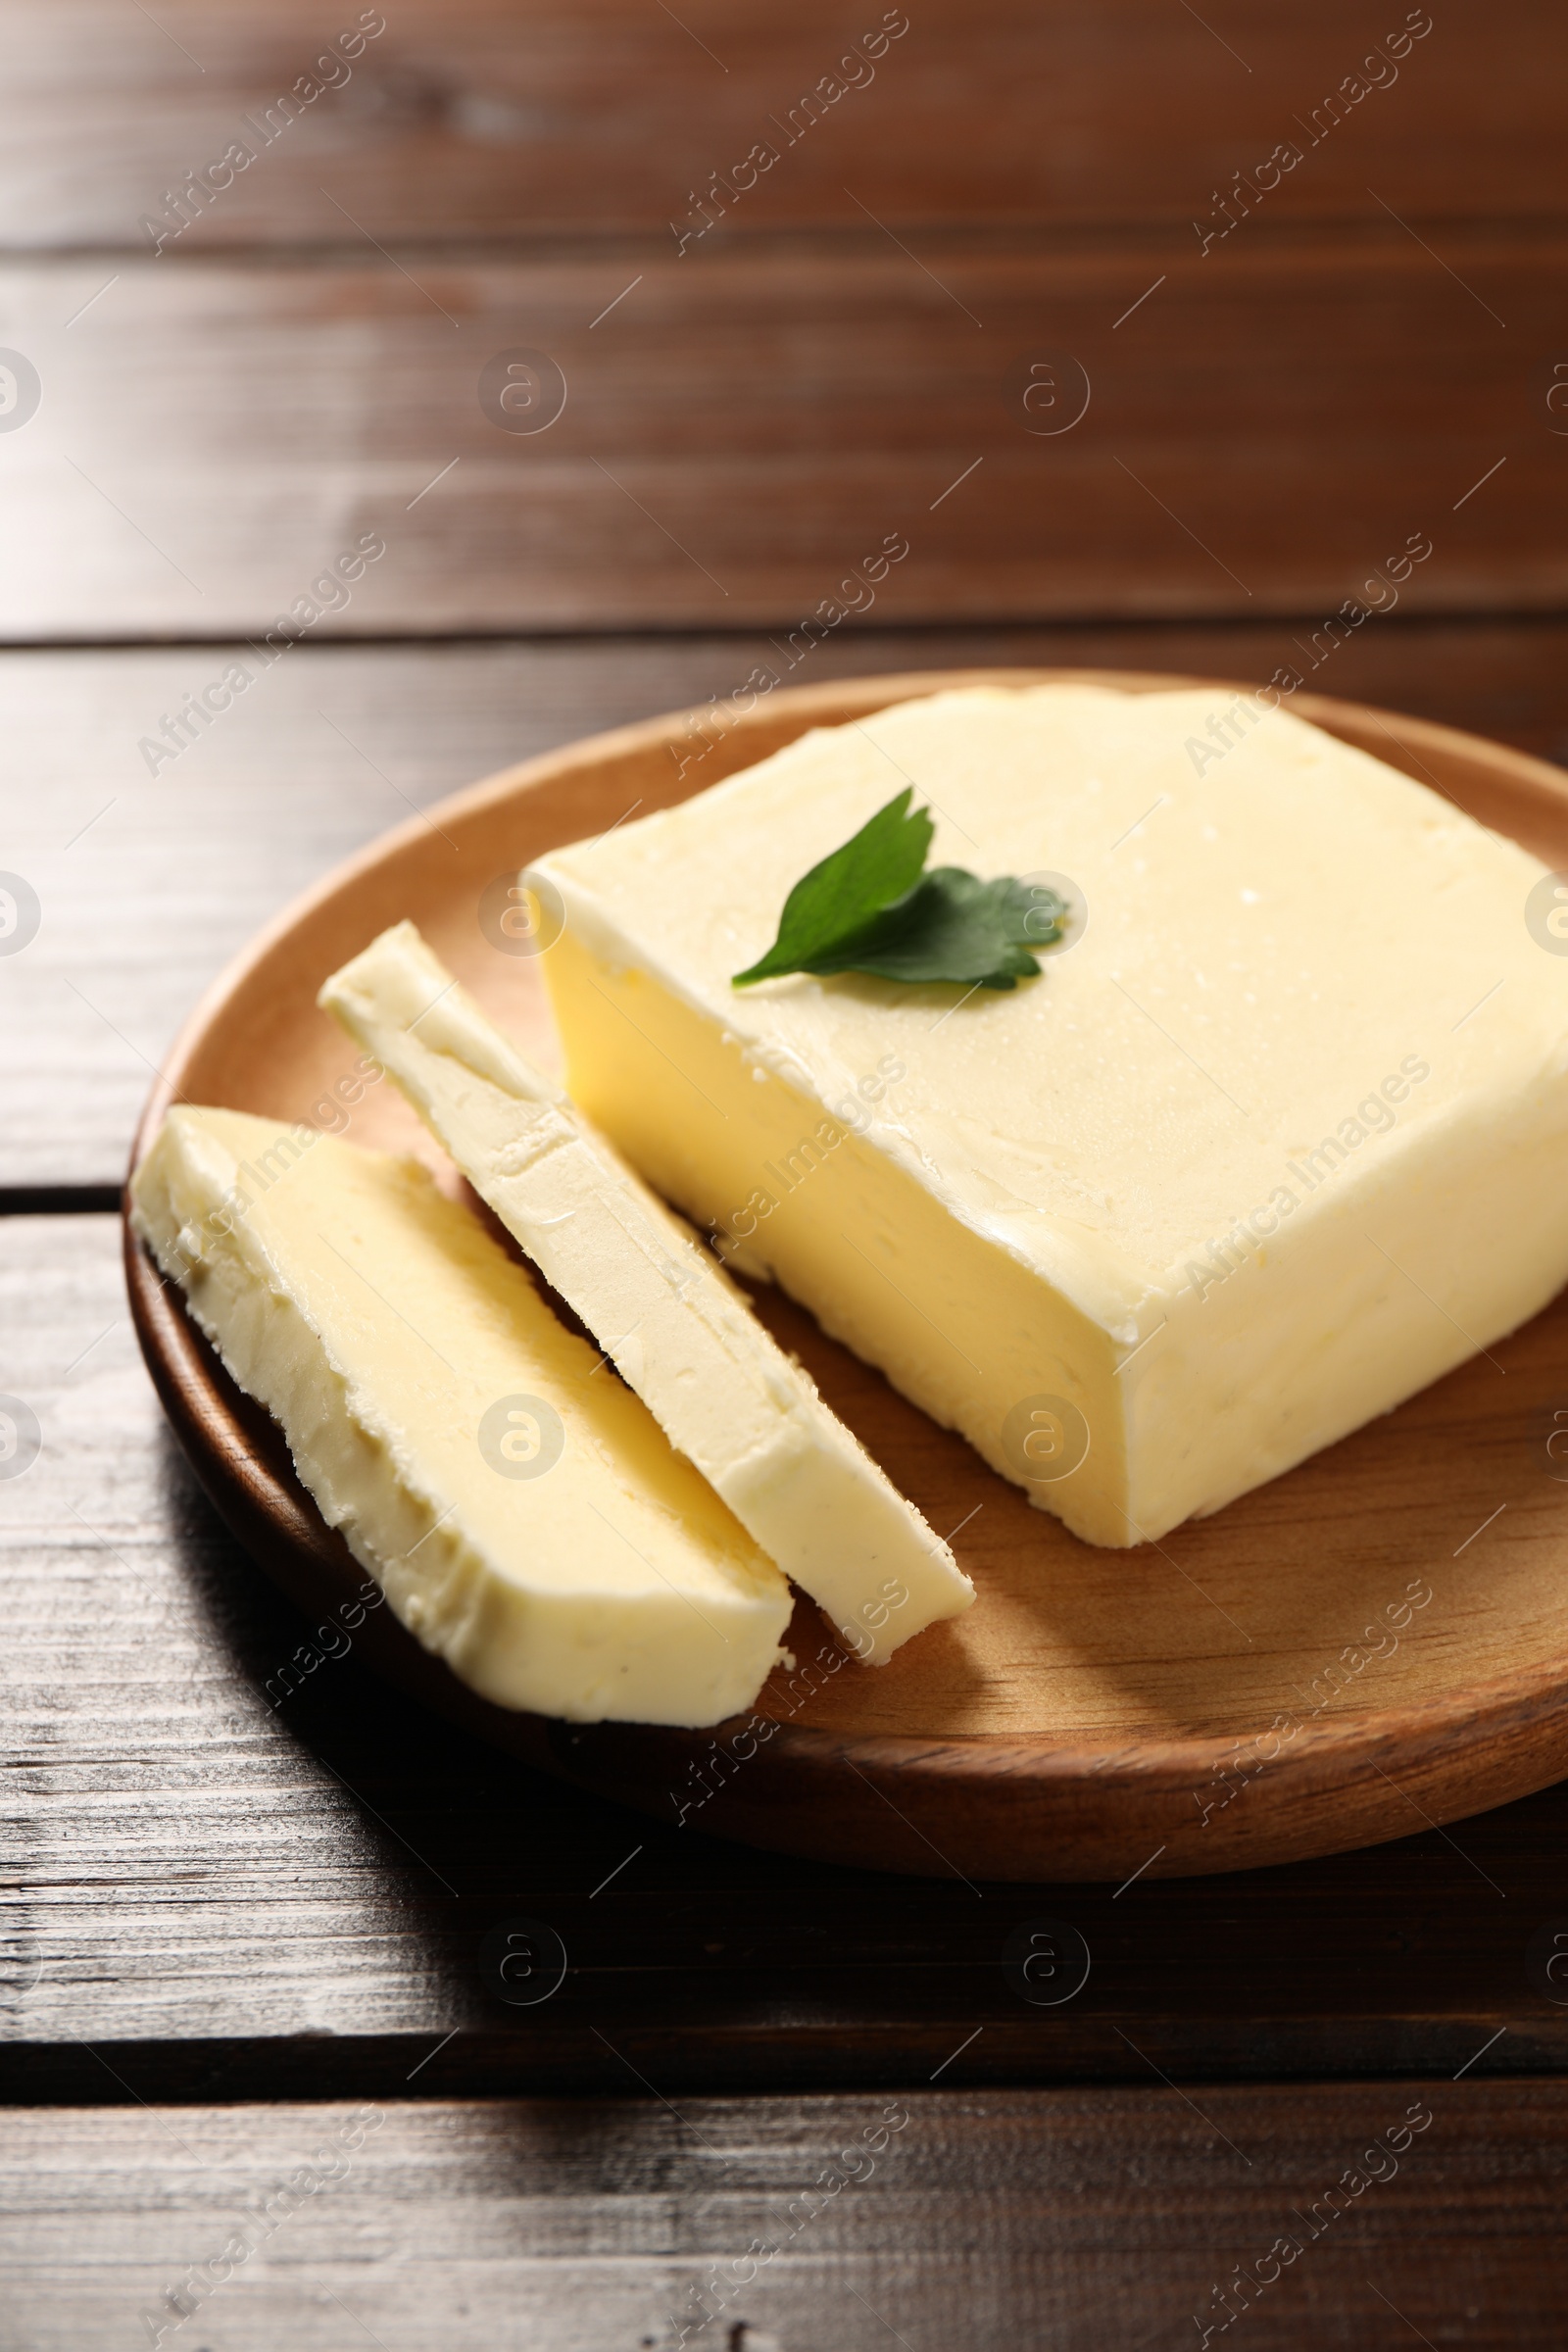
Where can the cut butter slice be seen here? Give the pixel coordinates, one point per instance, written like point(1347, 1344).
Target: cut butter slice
point(528, 1523)
point(1278, 1137)
point(676, 1328)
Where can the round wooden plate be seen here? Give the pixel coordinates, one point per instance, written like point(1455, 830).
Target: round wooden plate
point(1376, 1642)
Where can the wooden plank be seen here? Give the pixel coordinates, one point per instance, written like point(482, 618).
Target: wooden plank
point(1375, 2214)
point(149, 883)
point(215, 1887)
point(472, 119)
point(1273, 422)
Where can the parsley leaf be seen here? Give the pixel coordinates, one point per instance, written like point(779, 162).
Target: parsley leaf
point(870, 909)
point(835, 900)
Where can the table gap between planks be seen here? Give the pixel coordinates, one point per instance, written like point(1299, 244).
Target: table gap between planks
point(1022, 292)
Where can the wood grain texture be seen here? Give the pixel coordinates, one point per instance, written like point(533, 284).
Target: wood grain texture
point(150, 884)
point(472, 119)
point(1073, 2220)
point(1275, 421)
point(217, 1886)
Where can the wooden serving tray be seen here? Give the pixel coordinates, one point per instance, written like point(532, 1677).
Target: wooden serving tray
point(1208, 1704)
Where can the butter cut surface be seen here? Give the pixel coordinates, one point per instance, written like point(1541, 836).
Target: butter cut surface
point(1275, 1138)
point(529, 1524)
point(678, 1331)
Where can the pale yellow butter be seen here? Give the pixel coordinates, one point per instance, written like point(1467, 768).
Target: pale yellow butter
point(529, 1522)
point(1276, 1141)
point(679, 1332)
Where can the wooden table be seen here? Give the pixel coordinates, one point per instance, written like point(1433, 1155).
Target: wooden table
point(260, 2089)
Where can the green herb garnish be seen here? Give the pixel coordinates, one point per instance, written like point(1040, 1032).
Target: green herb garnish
point(870, 907)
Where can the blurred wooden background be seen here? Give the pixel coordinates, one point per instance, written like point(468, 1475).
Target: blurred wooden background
point(991, 197)
point(1030, 288)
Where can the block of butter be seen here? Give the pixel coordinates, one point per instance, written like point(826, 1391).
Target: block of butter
point(678, 1331)
point(1276, 1137)
point(530, 1524)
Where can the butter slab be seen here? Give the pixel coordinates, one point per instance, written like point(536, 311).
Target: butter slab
point(677, 1330)
point(529, 1524)
point(1278, 1140)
